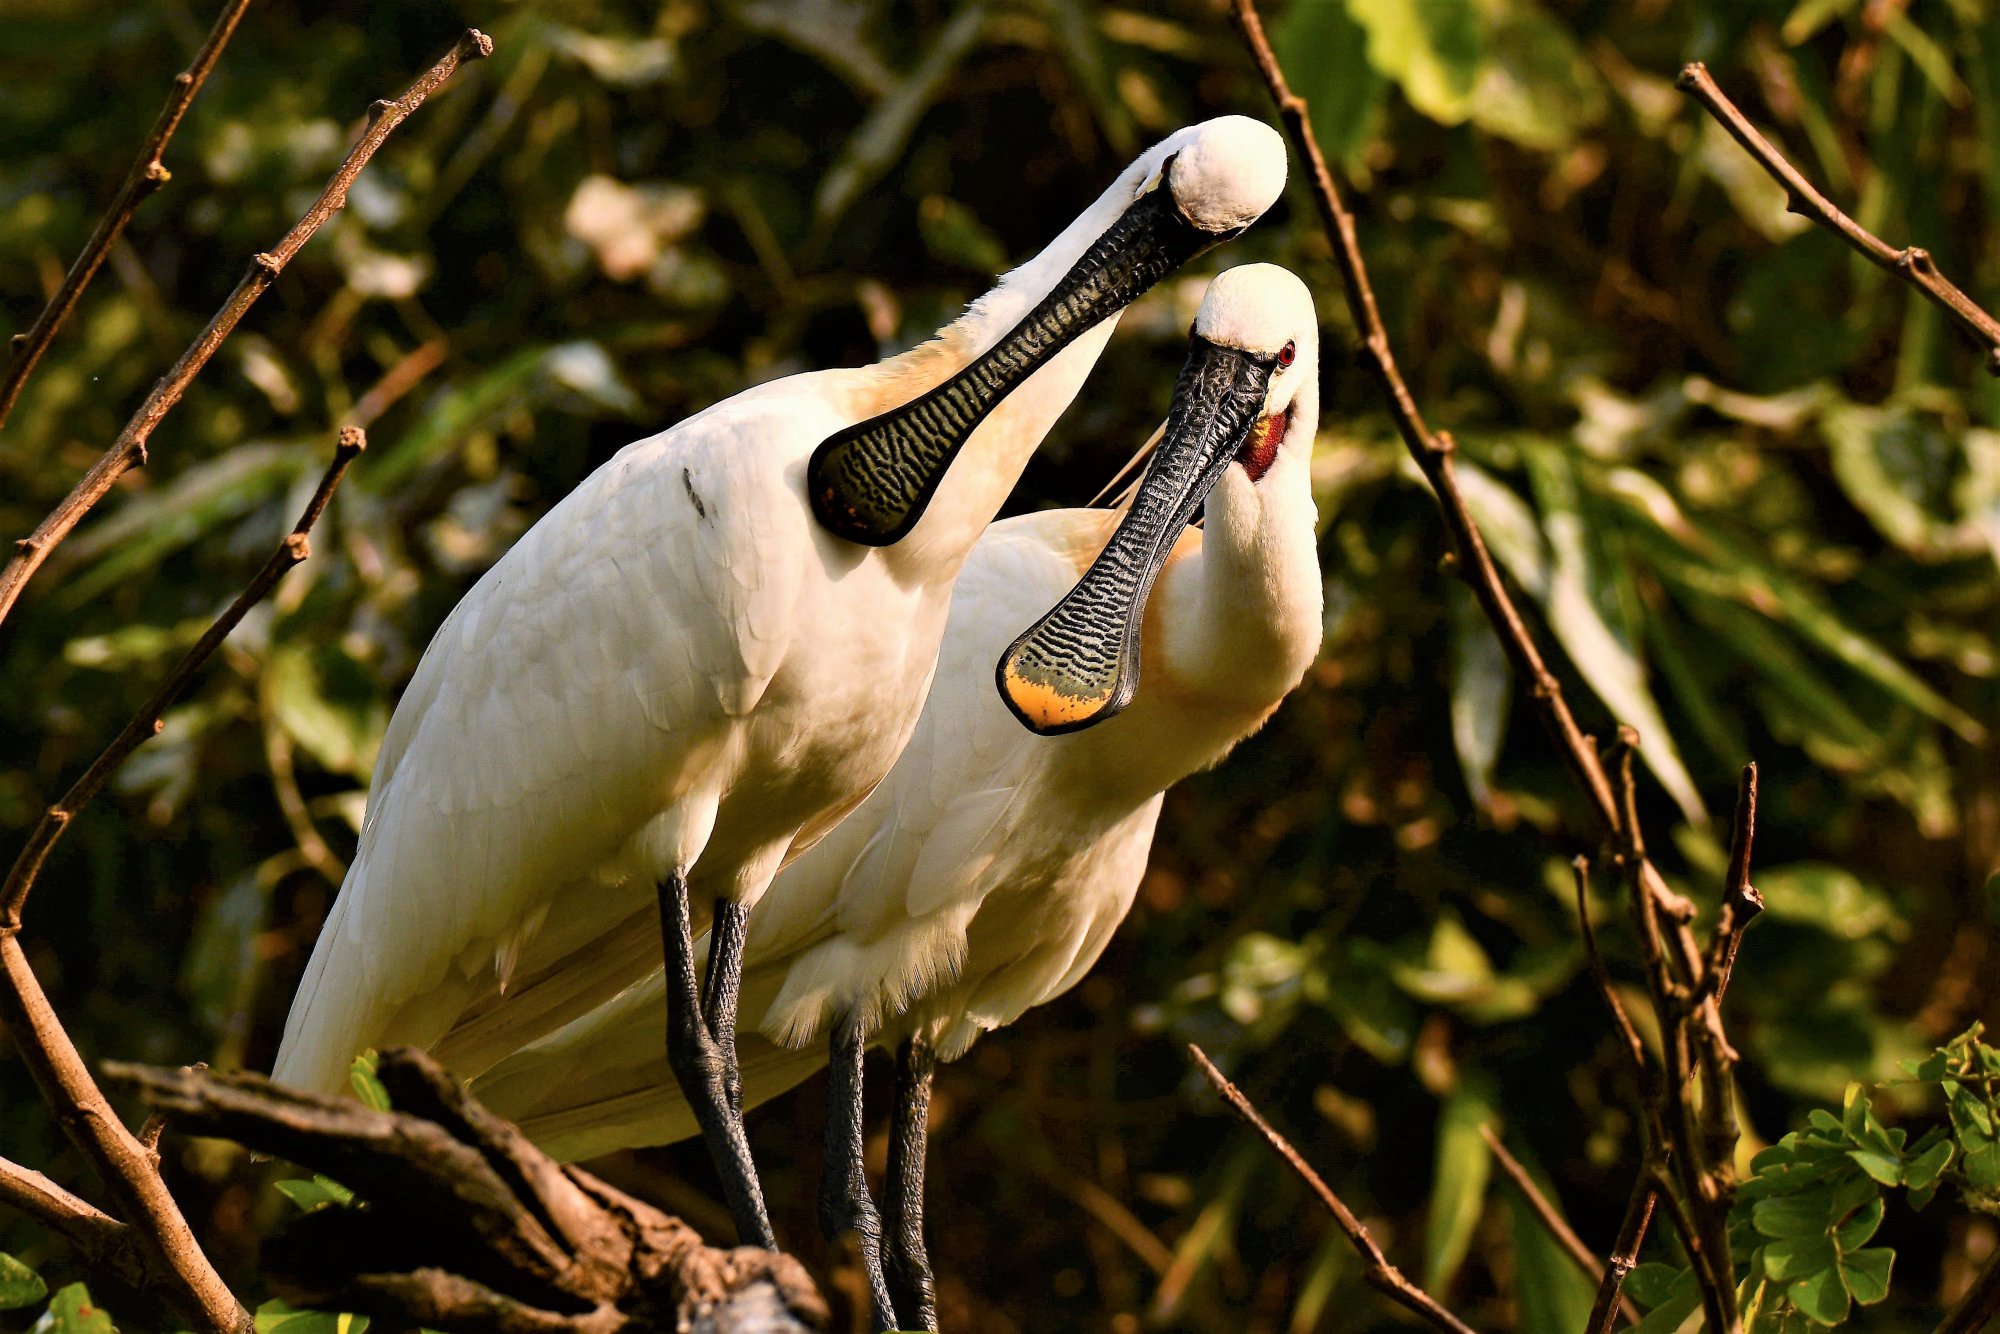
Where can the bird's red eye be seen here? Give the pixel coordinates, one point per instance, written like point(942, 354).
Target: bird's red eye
point(1287, 354)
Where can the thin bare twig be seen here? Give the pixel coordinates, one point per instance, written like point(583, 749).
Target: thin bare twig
point(1551, 1217)
point(147, 175)
point(1380, 1274)
point(1580, 866)
point(1740, 900)
point(1979, 1307)
point(1912, 264)
point(148, 721)
point(1624, 1255)
point(128, 451)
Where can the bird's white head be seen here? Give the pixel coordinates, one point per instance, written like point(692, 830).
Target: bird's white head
point(871, 482)
point(1246, 404)
point(1222, 173)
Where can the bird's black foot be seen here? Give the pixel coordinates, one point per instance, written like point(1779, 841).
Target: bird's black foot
point(701, 1049)
point(846, 1210)
point(908, 1263)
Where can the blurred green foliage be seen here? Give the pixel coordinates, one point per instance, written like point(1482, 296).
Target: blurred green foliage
point(1749, 486)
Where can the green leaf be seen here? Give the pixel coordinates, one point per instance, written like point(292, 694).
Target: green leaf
point(1553, 1297)
point(1831, 899)
point(71, 1312)
point(1429, 47)
point(1325, 57)
point(317, 1193)
point(1821, 1296)
point(1887, 1170)
point(1536, 86)
point(1796, 1257)
point(1482, 688)
point(1652, 1283)
point(1929, 1165)
point(276, 1317)
point(19, 1285)
point(1866, 1274)
point(326, 704)
point(953, 233)
point(1458, 1188)
point(1853, 1234)
point(1804, 1215)
point(366, 1086)
point(1681, 1302)
point(1810, 16)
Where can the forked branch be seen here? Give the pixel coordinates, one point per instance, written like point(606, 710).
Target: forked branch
point(1685, 998)
point(128, 451)
point(147, 175)
point(1912, 264)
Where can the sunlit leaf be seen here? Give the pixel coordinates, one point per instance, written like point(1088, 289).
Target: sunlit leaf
point(1458, 1186)
point(1431, 48)
point(1482, 693)
point(19, 1285)
point(1535, 86)
point(71, 1311)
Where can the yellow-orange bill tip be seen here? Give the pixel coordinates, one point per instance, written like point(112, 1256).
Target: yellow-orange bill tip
point(1047, 709)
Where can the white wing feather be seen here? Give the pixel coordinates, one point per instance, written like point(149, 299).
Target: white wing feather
point(560, 706)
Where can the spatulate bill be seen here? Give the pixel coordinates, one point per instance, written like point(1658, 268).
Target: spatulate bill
point(1079, 664)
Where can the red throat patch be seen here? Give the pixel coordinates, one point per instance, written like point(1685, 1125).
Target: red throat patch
point(1260, 451)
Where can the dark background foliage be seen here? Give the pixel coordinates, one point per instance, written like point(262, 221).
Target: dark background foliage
point(1751, 486)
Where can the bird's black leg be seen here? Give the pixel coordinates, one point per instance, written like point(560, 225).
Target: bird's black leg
point(845, 1207)
point(703, 1058)
point(908, 1261)
point(721, 989)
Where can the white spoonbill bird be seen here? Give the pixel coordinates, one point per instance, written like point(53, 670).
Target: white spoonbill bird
point(987, 872)
point(678, 678)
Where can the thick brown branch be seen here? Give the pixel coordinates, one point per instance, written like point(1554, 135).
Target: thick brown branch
point(1382, 1275)
point(1912, 264)
point(128, 451)
point(1551, 1218)
point(466, 1227)
point(147, 175)
point(148, 721)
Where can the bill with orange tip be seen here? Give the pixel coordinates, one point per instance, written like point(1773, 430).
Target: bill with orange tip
point(1079, 664)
